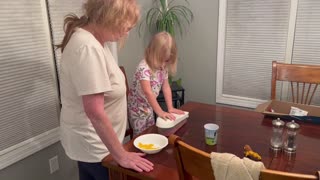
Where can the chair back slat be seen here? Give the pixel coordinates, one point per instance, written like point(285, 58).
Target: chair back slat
point(302, 92)
point(309, 88)
point(313, 92)
point(303, 79)
point(129, 131)
point(302, 97)
point(126, 80)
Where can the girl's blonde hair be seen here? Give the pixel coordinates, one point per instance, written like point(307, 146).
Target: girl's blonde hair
point(161, 48)
point(115, 15)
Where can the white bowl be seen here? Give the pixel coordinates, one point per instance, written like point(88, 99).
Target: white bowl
point(158, 143)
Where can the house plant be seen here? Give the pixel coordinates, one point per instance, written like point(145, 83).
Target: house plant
point(167, 16)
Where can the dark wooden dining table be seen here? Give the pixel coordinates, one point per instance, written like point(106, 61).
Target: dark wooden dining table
point(238, 127)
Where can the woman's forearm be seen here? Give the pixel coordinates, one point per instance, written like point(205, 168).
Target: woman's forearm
point(94, 108)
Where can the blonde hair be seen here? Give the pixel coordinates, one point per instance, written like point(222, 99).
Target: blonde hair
point(115, 15)
point(161, 45)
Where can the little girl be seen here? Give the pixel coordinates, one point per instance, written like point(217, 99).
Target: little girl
point(150, 77)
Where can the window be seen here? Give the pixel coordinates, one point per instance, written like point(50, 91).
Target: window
point(253, 34)
point(28, 92)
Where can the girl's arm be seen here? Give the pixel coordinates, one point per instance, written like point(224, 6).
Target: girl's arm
point(166, 89)
point(152, 99)
point(94, 109)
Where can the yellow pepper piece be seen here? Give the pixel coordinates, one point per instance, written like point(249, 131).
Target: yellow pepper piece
point(253, 155)
point(248, 152)
point(146, 146)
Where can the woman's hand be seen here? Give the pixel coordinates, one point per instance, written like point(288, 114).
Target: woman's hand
point(135, 161)
point(176, 111)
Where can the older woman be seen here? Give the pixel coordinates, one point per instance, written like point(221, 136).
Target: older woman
point(93, 92)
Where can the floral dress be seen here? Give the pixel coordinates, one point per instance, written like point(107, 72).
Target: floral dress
point(139, 110)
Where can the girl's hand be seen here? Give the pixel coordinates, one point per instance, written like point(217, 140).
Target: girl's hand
point(166, 115)
point(176, 111)
point(135, 161)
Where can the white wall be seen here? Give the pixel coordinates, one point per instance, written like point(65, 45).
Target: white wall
point(198, 53)
point(132, 52)
point(36, 166)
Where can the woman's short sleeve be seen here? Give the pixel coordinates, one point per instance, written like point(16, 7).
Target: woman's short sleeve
point(89, 73)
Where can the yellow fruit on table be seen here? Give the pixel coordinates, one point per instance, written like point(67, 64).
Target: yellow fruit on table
point(147, 146)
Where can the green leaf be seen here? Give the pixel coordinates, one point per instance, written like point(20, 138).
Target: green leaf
point(170, 79)
point(184, 13)
point(179, 82)
point(179, 25)
point(163, 5)
point(152, 19)
point(167, 17)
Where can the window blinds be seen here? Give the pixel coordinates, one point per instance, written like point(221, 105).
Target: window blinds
point(28, 92)
point(58, 9)
point(255, 35)
point(306, 47)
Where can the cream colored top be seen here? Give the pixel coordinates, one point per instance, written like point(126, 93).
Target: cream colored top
point(89, 68)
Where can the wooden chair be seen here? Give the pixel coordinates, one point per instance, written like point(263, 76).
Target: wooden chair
point(268, 174)
point(191, 162)
point(303, 80)
point(129, 131)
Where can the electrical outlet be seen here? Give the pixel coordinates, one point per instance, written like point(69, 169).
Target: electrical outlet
point(54, 164)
